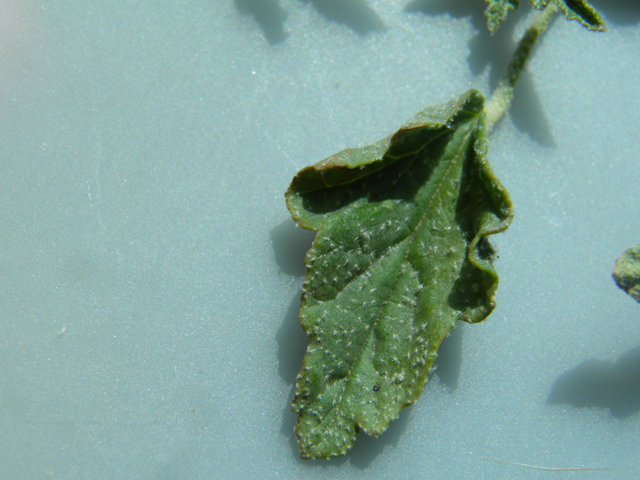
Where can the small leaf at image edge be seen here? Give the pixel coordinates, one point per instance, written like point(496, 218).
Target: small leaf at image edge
point(627, 272)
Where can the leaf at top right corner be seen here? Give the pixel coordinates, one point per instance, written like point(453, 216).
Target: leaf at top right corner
point(627, 272)
point(579, 10)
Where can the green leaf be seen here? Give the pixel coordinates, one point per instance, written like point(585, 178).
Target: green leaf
point(400, 256)
point(579, 10)
point(496, 12)
point(627, 272)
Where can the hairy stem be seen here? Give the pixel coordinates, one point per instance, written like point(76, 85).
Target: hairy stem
point(500, 101)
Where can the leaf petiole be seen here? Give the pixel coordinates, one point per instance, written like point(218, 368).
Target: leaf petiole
point(500, 101)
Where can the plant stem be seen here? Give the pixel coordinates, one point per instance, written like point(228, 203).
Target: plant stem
point(500, 101)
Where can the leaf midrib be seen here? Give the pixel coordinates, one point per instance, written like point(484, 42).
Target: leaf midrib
point(463, 145)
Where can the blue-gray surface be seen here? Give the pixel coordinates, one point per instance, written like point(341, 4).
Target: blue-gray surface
point(150, 275)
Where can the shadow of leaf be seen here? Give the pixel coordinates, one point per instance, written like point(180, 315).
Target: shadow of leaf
point(355, 14)
point(528, 114)
point(485, 49)
point(602, 384)
point(621, 12)
point(449, 360)
point(454, 8)
point(290, 245)
point(292, 342)
point(268, 14)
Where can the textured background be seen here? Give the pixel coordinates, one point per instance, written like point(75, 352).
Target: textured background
point(150, 274)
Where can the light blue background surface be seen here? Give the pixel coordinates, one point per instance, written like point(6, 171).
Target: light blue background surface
point(150, 274)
